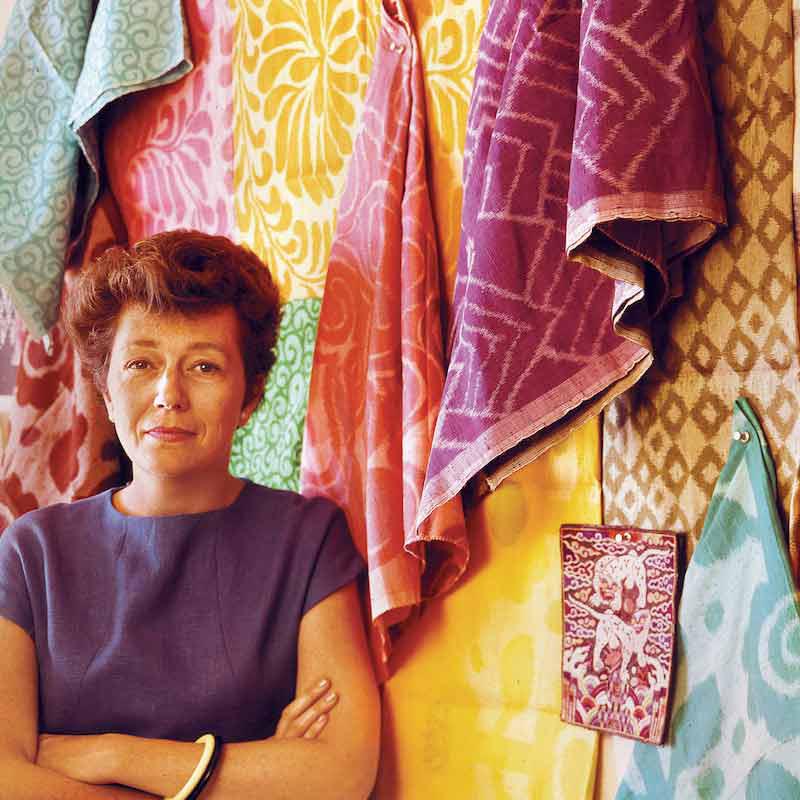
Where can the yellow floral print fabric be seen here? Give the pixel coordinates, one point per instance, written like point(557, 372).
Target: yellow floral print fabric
point(300, 72)
point(473, 707)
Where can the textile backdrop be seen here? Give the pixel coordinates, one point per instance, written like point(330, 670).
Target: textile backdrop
point(735, 331)
point(378, 367)
point(589, 128)
point(61, 63)
point(61, 446)
point(289, 79)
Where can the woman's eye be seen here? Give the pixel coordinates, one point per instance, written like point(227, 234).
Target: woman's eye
point(206, 367)
point(137, 363)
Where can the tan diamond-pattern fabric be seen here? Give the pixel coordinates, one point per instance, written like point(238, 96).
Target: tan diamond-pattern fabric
point(794, 507)
point(735, 330)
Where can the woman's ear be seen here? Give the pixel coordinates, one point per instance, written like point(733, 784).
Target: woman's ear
point(251, 405)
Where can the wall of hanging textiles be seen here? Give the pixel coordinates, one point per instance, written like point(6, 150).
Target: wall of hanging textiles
point(257, 142)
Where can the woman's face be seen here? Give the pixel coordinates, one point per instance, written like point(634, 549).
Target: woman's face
point(175, 391)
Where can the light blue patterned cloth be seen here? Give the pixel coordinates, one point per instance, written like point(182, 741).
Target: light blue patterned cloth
point(735, 729)
point(59, 67)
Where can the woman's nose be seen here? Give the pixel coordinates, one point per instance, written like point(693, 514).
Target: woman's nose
point(170, 392)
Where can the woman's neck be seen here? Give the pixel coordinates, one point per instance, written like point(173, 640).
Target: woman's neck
point(156, 496)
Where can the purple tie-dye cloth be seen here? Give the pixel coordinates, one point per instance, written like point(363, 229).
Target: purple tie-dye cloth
point(589, 133)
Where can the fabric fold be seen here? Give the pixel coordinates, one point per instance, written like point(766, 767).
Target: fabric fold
point(539, 342)
point(645, 184)
point(377, 372)
point(60, 64)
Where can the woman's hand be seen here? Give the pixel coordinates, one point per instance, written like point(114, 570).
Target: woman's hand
point(82, 757)
point(78, 757)
point(306, 716)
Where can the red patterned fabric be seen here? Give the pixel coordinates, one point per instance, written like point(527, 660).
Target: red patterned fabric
point(61, 446)
point(589, 128)
point(619, 606)
point(169, 151)
point(377, 374)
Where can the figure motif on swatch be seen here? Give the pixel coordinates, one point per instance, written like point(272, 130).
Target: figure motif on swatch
point(619, 613)
point(614, 633)
point(614, 574)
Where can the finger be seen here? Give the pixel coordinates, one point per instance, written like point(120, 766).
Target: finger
point(298, 727)
point(322, 706)
point(316, 727)
point(306, 699)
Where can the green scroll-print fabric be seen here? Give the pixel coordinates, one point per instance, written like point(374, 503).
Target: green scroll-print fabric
point(735, 730)
point(267, 450)
point(58, 68)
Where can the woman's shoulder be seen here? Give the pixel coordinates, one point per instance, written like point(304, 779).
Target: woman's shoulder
point(285, 502)
point(288, 513)
point(42, 524)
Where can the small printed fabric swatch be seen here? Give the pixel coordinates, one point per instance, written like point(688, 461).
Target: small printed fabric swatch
point(619, 609)
point(735, 731)
point(267, 449)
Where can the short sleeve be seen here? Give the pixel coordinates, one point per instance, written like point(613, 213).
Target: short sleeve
point(338, 562)
point(15, 601)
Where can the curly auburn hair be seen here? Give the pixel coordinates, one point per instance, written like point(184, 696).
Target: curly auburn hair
point(182, 271)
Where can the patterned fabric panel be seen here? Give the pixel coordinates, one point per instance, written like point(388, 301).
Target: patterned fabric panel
point(133, 45)
point(378, 364)
point(40, 63)
point(644, 152)
point(300, 72)
point(472, 710)
point(448, 34)
point(735, 331)
point(169, 152)
point(267, 449)
point(55, 70)
point(533, 349)
point(61, 446)
point(794, 502)
point(735, 731)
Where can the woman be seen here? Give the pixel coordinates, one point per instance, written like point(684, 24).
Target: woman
point(188, 602)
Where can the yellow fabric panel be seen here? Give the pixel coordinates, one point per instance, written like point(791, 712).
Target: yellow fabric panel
point(473, 707)
point(300, 71)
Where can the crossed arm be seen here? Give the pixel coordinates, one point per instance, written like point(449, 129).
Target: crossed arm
point(336, 758)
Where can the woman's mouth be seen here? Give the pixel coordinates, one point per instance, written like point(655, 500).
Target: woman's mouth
point(164, 434)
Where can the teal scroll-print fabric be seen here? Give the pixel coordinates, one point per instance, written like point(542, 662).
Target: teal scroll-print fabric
point(133, 45)
point(40, 63)
point(267, 450)
point(735, 729)
point(58, 67)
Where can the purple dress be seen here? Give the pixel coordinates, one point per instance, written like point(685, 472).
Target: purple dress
point(170, 627)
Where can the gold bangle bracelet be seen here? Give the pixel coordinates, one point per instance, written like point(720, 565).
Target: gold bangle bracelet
point(209, 745)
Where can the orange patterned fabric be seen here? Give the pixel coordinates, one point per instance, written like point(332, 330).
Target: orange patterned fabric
point(378, 372)
point(61, 446)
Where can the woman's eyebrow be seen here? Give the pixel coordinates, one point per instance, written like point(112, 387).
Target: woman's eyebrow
point(192, 346)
